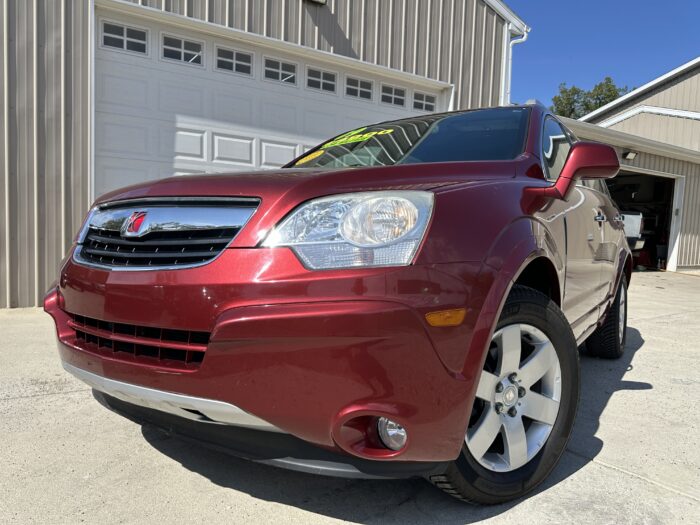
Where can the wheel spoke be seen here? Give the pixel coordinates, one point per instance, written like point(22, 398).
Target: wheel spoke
point(540, 408)
point(480, 438)
point(511, 347)
point(487, 386)
point(537, 365)
point(515, 442)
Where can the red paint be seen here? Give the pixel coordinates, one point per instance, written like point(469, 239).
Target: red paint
point(319, 354)
point(133, 223)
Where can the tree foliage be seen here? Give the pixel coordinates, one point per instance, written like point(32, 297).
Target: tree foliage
point(574, 102)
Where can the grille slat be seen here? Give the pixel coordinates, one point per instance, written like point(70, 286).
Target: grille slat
point(147, 255)
point(116, 239)
point(156, 249)
point(141, 344)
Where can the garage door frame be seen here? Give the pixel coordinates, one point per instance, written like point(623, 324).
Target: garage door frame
point(676, 209)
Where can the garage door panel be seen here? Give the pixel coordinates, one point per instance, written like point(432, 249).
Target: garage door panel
point(276, 154)
point(233, 149)
point(122, 136)
point(119, 172)
point(279, 117)
point(121, 90)
point(176, 99)
point(233, 108)
point(190, 144)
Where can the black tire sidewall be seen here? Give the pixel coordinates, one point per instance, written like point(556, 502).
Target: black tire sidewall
point(544, 315)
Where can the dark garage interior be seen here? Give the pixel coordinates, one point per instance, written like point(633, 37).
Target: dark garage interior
point(652, 197)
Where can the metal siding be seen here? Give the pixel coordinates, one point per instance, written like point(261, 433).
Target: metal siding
point(681, 93)
point(45, 142)
point(689, 242)
point(679, 131)
point(45, 113)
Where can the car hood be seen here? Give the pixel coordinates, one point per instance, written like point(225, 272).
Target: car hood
point(281, 190)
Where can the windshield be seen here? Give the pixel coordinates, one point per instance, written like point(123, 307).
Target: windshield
point(484, 134)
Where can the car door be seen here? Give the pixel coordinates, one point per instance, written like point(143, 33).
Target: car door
point(612, 235)
point(584, 233)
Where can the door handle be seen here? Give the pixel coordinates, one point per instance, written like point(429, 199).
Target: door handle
point(600, 217)
point(619, 218)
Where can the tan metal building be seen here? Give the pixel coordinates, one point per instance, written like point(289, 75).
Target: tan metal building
point(661, 122)
point(98, 94)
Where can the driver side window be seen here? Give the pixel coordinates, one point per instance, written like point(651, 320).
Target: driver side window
point(555, 148)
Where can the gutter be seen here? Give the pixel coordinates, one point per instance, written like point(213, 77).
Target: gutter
point(509, 67)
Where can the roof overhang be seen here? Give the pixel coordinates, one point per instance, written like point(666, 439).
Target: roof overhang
point(588, 131)
point(642, 89)
point(516, 25)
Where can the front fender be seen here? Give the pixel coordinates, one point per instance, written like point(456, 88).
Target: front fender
point(521, 243)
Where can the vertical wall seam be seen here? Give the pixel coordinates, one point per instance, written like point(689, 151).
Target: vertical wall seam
point(35, 152)
point(6, 124)
point(62, 120)
point(461, 56)
point(471, 55)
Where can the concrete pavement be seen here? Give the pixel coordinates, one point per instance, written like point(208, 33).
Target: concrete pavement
point(634, 456)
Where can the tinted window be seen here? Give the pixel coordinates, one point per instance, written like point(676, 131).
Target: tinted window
point(488, 134)
point(555, 148)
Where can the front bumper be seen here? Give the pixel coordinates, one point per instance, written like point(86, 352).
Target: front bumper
point(271, 448)
point(322, 370)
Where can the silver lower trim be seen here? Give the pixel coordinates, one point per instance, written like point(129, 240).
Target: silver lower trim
point(189, 407)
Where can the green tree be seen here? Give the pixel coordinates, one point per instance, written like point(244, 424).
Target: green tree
point(574, 102)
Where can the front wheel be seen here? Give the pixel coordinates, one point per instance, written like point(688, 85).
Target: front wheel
point(525, 404)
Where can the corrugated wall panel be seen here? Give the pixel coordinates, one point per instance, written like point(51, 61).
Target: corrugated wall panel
point(689, 243)
point(45, 141)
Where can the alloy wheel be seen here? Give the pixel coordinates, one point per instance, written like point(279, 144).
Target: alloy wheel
point(517, 399)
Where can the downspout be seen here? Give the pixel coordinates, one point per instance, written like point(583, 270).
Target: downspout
point(509, 66)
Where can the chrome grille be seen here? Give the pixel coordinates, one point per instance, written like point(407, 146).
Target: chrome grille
point(158, 234)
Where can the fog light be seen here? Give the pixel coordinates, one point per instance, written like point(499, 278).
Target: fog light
point(392, 434)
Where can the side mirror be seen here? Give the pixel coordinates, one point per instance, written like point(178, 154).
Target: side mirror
point(587, 160)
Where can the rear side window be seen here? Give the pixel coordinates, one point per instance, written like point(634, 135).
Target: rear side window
point(555, 148)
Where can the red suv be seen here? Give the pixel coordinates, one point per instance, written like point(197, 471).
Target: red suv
point(406, 299)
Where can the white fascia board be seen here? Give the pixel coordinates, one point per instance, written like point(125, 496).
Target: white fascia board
point(585, 130)
point(655, 110)
point(517, 26)
point(642, 89)
point(302, 52)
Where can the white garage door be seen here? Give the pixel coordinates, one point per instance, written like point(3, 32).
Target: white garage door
point(169, 101)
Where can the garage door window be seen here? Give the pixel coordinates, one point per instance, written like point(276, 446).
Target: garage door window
point(323, 80)
point(182, 50)
point(423, 102)
point(280, 71)
point(234, 61)
point(122, 37)
point(355, 87)
point(394, 95)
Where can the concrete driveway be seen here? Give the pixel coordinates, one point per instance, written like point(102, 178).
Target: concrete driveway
point(634, 456)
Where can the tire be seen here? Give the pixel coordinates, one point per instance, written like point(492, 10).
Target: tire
point(477, 480)
point(608, 340)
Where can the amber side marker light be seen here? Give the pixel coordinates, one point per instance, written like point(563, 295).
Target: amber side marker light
point(446, 317)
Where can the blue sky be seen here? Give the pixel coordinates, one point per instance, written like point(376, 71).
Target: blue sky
point(632, 41)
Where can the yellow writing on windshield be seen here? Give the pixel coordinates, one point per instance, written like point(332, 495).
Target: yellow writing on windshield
point(309, 157)
point(354, 136)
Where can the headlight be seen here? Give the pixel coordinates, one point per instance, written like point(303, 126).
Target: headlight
point(378, 228)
